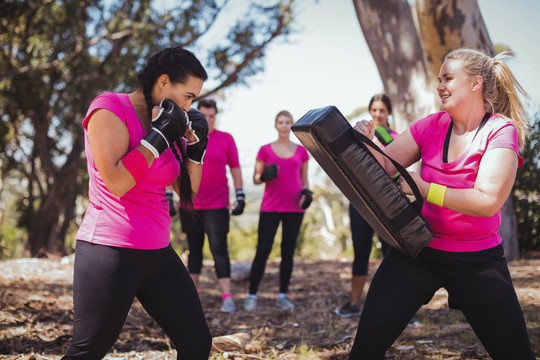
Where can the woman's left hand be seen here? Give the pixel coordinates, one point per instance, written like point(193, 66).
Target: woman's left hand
point(306, 197)
point(406, 189)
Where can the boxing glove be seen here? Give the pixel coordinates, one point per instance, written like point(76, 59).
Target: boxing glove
point(270, 172)
point(172, 208)
point(168, 126)
point(198, 125)
point(240, 202)
point(308, 198)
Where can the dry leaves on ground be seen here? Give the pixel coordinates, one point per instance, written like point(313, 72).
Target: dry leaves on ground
point(36, 316)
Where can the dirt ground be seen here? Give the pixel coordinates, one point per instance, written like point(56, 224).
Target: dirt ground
point(36, 316)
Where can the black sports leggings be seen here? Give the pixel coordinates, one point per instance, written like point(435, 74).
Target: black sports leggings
point(107, 279)
point(268, 224)
point(218, 247)
point(478, 284)
point(362, 239)
point(215, 223)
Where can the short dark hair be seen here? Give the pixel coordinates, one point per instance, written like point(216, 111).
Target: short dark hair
point(207, 103)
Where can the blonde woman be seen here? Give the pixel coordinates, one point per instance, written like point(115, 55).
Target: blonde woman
point(470, 155)
point(282, 166)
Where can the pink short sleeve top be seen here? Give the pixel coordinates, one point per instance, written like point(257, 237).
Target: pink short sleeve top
point(214, 188)
point(282, 194)
point(139, 219)
point(455, 231)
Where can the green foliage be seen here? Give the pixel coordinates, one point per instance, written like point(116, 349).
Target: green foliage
point(527, 190)
point(243, 241)
point(58, 55)
point(325, 231)
point(306, 352)
point(11, 245)
point(178, 239)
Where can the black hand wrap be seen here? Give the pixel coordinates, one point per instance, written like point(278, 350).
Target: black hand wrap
point(240, 202)
point(172, 208)
point(269, 173)
point(169, 125)
point(308, 198)
point(199, 126)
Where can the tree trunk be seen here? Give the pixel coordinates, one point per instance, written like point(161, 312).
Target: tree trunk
point(409, 48)
point(2, 202)
point(508, 230)
point(68, 211)
point(43, 226)
point(447, 25)
point(43, 234)
point(391, 36)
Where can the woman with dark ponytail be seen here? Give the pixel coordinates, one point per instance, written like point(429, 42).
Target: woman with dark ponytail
point(138, 144)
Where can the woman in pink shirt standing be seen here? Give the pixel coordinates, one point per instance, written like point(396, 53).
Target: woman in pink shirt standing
point(470, 155)
point(134, 150)
point(211, 215)
point(282, 165)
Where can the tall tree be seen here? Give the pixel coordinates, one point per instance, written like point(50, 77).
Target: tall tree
point(56, 56)
point(408, 41)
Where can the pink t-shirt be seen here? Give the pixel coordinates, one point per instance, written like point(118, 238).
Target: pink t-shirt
point(139, 219)
point(282, 194)
point(214, 188)
point(455, 231)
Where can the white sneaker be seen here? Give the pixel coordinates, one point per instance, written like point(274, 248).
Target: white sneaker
point(228, 305)
point(250, 303)
point(284, 303)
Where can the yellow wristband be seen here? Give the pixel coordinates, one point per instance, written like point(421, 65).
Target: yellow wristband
point(436, 194)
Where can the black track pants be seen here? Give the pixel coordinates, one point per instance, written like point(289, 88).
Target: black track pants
point(215, 223)
point(362, 239)
point(478, 284)
point(268, 224)
point(106, 281)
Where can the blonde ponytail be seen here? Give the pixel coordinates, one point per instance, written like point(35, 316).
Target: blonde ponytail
point(508, 102)
point(500, 86)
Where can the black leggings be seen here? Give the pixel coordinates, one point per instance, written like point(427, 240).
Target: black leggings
point(107, 279)
point(268, 224)
point(215, 223)
point(478, 284)
point(362, 239)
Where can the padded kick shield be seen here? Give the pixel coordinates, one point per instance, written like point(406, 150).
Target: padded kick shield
point(343, 154)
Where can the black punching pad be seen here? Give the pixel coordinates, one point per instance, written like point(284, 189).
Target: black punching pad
point(343, 155)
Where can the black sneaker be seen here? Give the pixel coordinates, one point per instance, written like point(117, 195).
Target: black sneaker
point(347, 310)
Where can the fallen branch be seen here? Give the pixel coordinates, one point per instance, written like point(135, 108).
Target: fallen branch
point(232, 342)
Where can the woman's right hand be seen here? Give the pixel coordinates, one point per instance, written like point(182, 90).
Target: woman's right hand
point(366, 127)
point(167, 126)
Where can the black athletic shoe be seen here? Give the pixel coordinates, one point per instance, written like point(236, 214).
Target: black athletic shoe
point(347, 310)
